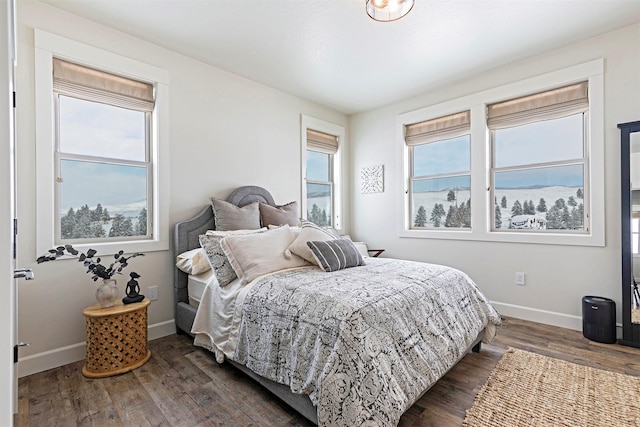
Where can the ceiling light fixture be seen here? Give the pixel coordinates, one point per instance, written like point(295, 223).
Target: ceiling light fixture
point(388, 10)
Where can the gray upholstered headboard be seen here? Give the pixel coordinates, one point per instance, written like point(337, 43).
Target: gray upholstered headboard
point(186, 237)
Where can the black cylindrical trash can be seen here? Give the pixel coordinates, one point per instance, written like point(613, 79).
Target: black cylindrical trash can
point(599, 319)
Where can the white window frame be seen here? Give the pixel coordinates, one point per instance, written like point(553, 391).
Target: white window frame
point(49, 45)
point(413, 178)
point(481, 205)
point(307, 122)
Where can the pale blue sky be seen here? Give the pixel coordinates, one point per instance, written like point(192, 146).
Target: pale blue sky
point(95, 129)
point(567, 176)
point(317, 166)
point(441, 184)
point(441, 157)
point(89, 128)
point(92, 183)
point(540, 142)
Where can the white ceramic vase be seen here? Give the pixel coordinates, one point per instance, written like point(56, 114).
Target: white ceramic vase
point(107, 293)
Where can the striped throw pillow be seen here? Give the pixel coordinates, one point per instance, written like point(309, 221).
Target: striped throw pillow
point(333, 255)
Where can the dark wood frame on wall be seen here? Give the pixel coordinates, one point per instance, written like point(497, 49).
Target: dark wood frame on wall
point(630, 331)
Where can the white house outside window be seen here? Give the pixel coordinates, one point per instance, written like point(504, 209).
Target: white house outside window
point(440, 179)
point(104, 174)
point(539, 170)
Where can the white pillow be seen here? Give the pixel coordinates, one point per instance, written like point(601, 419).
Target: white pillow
point(234, 232)
point(193, 262)
point(295, 229)
point(218, 261)
point(253, 255)
point(362, 248)
point(309, 232)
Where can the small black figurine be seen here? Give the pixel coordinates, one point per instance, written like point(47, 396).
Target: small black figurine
point(133, 289)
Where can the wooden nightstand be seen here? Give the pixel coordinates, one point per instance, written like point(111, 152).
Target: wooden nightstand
point(375, 252)
point(116, 339)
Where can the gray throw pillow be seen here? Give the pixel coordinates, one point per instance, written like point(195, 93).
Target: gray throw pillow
point(217, 259)
point(230, 217)
point(333, 255)
point(279, 215)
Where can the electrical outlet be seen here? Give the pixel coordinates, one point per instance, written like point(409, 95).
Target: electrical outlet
point(153, 292)
point(520, 278)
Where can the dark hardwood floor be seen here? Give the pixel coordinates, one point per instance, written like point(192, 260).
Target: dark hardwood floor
point(182, 385)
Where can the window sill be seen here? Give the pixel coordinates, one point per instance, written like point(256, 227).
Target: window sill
point(588, 239)
point(110, 248)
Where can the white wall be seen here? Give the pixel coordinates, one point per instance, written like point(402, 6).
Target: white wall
point(225, 131)
point(557, 277)
point(228, 131)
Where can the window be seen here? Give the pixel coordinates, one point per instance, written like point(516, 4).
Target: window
point(320, 150)
point(440, 157)
point(321, 174)
point(532, 157)
point(101, 156)
point(539, 163)
point(104, 174)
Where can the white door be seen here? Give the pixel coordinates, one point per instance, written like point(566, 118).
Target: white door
point(8, 393)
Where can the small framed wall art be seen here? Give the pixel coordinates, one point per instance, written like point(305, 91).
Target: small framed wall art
point(372, 178)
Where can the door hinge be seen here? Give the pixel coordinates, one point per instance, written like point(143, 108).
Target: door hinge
point(14, 99)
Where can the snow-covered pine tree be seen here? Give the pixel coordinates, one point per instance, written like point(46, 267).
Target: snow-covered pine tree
point(421, 217)
point(517, 208)
point(141, 226)
point(542, 205)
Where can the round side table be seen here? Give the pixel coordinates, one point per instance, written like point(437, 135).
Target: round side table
point(116, 339)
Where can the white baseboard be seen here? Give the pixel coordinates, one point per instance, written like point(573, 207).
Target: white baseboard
point(540, 316)
point(62, 356)
point(50, 359)
point(162, 329)
point(552, 318)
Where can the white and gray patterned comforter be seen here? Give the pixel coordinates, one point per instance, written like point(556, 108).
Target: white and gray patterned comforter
point(364, 343)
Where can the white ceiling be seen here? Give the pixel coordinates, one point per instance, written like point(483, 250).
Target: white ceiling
point(331, 52)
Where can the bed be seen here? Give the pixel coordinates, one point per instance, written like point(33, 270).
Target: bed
point(345, 373)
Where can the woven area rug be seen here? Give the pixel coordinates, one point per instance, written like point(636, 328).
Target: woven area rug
point(527, 389)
